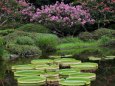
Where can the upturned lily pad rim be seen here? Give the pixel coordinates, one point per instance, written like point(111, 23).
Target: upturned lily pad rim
point(91, 76)
point(41, 61)
point(70, 83)
point(87, 81)
point(31, 80)
point(28, 73)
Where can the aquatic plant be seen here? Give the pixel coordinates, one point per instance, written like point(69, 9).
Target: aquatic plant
point(42, 73)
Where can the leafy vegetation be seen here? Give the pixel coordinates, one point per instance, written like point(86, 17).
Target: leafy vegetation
point(34, 28)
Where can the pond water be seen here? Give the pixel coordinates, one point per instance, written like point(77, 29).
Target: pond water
point(105, 73)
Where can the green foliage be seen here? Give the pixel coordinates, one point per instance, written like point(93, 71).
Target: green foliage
point(103, 40)
point(104, 31)
point(12, 36)
point(46, 42)
point(70, 39)
point(24, 40)
point(24, 50)
point(34, 28)
point(87, 36)
point(1, 48)
point(6, 32)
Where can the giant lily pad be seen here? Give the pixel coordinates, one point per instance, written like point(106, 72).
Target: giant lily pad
point(91, 76)
point(71, 83)
point(28, 73)
point(85, 66)
point(86, 80)
point(68, 71)
point(58, 61)
point(23, 67)
point(32, 80)
point(42, 61)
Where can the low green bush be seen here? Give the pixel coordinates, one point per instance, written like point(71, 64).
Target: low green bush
point(24, 40)
point(46, 42)
point(1, 47)
point(104, 31)
point(24, 50)
point(6, 32)
point(70, 39)
point(34, 28)
point(87, 36)
point(14, 35)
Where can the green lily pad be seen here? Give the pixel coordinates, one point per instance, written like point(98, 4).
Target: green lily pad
point(28, 73)
point(71, 83)
point(68, 71)
point(32, 80)
point(86, 80)
point(71, 62)
point(52, 79)
point(92, 58)
point(91, 76)
point(66, 56)
point(50, 74)
point(109, 57)
point(64, 60)
point(23, 67)
point(42, 61)
point(85, 66)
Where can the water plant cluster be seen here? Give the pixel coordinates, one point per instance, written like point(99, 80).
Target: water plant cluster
point(61, 71)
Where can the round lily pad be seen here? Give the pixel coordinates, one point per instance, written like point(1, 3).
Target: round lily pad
point(28, 73)
point(86, 80)
point(85, 66)
point(91, 76)
point(42, 61)
point(68, 71)
point(92, 58)
point(71, 83)
point(32, 80)
point(64, 60)
point(50, 74)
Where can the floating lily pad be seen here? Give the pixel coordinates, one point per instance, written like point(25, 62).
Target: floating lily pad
point(28, 73)
point(54, 57)
point(86, 80)
point(23, 67)
point(71, 62)
point(71, 83)
point(42, 61)
point(65, 56)
point(68, 71)
point(50, 74)
point(91, 76)
point(58, 61)
point(32, 80)
point(94, 58)
point(85, 66)
point(109, 57)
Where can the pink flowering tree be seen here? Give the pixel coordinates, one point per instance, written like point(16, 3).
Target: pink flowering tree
point(60, 17)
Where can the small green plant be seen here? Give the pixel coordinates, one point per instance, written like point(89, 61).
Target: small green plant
point(24, 50)
point(34, 28)
point(24, 40)
point(46, 42)
point(1, 47)
point(6, 32)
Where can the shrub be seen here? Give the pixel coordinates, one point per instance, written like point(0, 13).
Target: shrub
point(87, 36)
point(1, 47)
point(34, 28)
point(14, 35)
point(70, 39)
point(24, 50)
point(104, 31)
point(46, 42)
point(103, 40)
point(61, 17)
point(6, 32)
point(24, 40)
point(110, 43)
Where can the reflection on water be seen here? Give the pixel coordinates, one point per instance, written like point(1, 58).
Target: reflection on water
point(105, 73)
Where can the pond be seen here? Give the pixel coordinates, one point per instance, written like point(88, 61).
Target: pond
point(105, 74)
